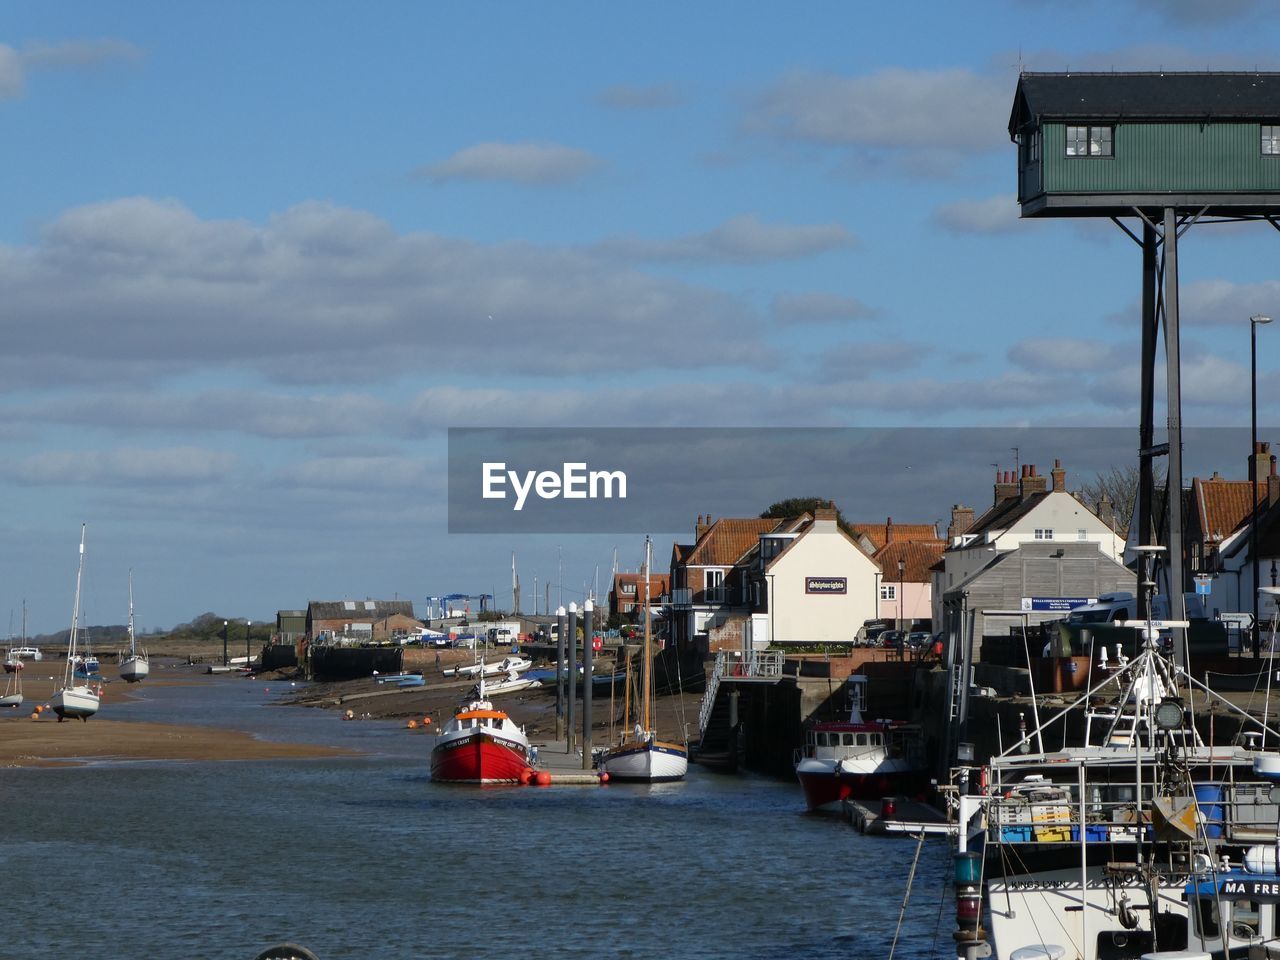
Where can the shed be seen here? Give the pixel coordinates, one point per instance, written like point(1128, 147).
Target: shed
point(1109, 144)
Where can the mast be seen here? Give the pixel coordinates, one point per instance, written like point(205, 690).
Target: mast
point(75, 616)
point(133, 651)
point(648, 666)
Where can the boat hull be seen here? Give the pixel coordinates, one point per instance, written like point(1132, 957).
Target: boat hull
point(652, 762)
point(479, 757)
point(74, 702)
point(134, 669)
point(826, 784)
point(12, 700)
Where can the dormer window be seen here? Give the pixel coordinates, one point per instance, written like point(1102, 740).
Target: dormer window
point(1271, 140)
point(1089, 141)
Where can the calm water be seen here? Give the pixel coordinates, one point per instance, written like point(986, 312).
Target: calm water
point(367, 860)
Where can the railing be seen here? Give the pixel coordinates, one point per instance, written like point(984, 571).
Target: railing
point(763, 666)
point(709, 696)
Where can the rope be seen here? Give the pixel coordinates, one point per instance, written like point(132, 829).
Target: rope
point(907, 896)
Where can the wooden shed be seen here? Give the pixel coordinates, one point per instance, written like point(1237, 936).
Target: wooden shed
point(1109, 144)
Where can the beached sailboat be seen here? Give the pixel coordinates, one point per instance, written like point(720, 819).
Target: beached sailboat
point(75, 699)
point(13, 669)
point(640, 756)
point(134, 664)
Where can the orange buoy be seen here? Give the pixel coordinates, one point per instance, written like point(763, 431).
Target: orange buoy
point(35, 714)
point(426, 721)
point(412, 724)
point(543, 779)
point(604, 777)
point(39, 709)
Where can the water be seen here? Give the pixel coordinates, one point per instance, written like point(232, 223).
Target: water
point(365, 859)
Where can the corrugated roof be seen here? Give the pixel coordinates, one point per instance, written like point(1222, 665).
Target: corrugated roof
point(878, 533)
point(728, 539)
point(358, 611)
point(919, 555)
point(1145, 96)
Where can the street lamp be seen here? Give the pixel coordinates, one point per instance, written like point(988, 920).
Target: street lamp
point(902, 566)
point(248, 657)
point(1253, 468)
point(225, 661)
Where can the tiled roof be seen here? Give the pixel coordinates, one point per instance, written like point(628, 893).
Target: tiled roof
point(1222, 505)
point(659, 583)
point(728, 539)
point(878, 533)
point(920, 556)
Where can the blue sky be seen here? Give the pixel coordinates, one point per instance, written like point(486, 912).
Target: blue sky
point(257, 258)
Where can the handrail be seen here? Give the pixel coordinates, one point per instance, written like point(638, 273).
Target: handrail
point(709, 695)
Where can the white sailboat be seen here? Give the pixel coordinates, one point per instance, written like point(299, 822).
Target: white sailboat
point(13, 670)
point(640, 756)
point(75, 698)
point(134, 665)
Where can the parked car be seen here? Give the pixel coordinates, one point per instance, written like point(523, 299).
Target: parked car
point(891, 639)
point(918, 638)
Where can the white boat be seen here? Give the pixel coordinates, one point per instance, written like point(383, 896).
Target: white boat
point(512, 683)
point(134, 663)
point(640, 755)
point(1094, 851)
point(13, 668)
point(26, 653)
point(505, 665)
point(75, 699)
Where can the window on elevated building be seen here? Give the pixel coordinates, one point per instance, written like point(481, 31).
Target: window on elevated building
point(888, 591)
point(1089, 141)
point(715, 586)
point(1271, 140)
point(1044, 533)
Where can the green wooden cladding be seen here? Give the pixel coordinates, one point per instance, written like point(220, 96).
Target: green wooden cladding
point(1185, 157)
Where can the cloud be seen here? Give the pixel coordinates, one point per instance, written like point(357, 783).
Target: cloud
point(322, 295)
point(741, 239)
point(817, 307)
point(1138, 56)
point(1197, 13)
point(526, 163)
point(994, 215)
point(1215, 303)
point(872, 358)
point(385, 473)
point(130, 466)
point(1068, 354)
point(15, 64)
point(891, 120)
point(625, 97)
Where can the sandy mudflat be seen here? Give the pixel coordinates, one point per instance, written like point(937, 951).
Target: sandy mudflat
point(46, 742)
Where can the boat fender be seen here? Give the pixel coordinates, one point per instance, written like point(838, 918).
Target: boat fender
point(982, 779)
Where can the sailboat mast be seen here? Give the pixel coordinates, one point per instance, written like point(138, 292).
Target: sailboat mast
point(75, 612)
point(648, 666)
point(132, 642)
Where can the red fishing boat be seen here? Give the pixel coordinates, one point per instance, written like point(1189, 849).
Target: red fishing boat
point(480, 745)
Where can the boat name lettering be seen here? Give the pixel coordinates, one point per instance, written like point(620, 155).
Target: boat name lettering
point(1252, 888)
point(1041, 884)
point(573, 482)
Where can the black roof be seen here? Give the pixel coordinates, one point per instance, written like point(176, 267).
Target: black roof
point(1144, 96)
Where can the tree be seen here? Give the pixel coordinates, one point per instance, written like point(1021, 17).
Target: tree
point(1119, 484)
point(795, 506)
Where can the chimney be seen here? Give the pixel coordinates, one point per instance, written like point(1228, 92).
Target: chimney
point(704, 524)
point(1059, 476)
point(1261, 461)
point(824, 518)
point(1029, 482)
point(961, 521)
point(1107, 511)
point(1006, 488)
point(888, 530)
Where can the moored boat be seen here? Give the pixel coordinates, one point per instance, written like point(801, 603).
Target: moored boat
point(134, 663)
point(860, 760)
point(480, 745)
point(74, 699)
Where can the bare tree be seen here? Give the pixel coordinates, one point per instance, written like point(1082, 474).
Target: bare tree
point(1118, 486)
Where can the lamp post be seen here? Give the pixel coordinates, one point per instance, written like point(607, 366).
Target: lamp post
point(248, 657)
point(225, 661)
point(1253, 469)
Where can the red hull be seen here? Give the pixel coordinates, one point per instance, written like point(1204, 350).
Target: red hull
point(821, 789)
point(478, 758)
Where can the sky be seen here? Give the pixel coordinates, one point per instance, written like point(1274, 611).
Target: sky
point(256, 260)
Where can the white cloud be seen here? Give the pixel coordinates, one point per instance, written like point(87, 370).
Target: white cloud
point(992, 215)
point(1068, 354)
point(361, 473)
point(627, 97)
point(528, 163)
point(894, 120)
point(15, 64)
point(741, 239)
point(123, 465)
point(818, 307)
point(327, 296)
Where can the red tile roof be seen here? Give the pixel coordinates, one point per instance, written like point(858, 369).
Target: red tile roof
point(727, 540)
point(878, 533)
point(1222, 505)
point(919, 555)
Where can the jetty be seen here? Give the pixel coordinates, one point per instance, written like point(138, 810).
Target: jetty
point(904, 817)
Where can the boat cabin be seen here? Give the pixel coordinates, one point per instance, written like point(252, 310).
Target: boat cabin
point(1234, 910)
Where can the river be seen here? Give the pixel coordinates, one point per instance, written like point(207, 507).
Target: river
point(366, 859)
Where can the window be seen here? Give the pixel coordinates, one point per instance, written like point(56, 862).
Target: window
point(1082, 534)
point(1044, 533)
point(888, 591)
point(1270, 141)
point(1031, 146)
point(848, 739)
point(715, 586)
point(1089, 141)
point(629, 589)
